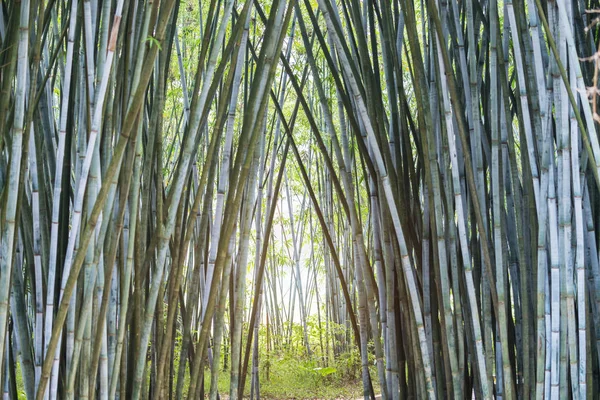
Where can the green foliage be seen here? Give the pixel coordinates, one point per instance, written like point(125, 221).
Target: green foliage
point(152, 41)
point(290, 377)
point(288, 373)
point(326, 371)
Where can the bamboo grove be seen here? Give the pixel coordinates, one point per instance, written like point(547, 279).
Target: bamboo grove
point(428, 171)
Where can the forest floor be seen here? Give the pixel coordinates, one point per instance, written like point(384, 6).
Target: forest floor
point(378, 397)
point(298, 379)
point(297, 389)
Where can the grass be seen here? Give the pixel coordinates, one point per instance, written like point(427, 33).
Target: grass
point(294, 378)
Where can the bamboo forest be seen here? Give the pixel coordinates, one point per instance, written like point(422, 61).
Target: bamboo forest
point(299, 199)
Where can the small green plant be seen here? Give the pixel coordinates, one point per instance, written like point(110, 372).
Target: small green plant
point(153, 41)
point(325, 371)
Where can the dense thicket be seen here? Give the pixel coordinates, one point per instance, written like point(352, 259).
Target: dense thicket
point(178, 178)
